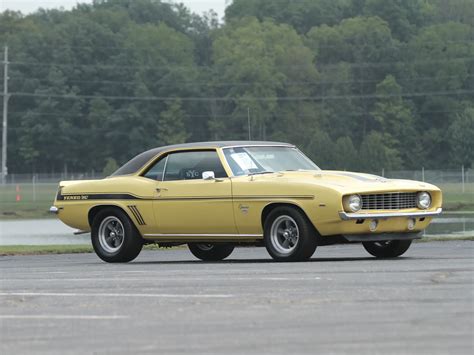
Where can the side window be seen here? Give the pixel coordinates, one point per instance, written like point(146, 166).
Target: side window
point(156, 171)
point(191, 165)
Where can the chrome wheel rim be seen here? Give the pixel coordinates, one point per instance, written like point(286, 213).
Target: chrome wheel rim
point(111, 234)
point(284, 234)
point(205, 247)
point(382, 244)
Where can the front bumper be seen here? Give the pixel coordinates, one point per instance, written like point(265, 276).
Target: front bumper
point(385, 215)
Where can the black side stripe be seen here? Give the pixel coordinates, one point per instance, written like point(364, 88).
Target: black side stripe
point(124, 196)
point(140, 219)
point(139, 215)
point(136, 213)
point(99, 196)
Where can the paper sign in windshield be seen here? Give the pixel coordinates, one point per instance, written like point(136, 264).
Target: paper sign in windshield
point(244, 161)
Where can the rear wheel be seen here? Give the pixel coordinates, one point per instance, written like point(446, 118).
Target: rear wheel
point(289, 236)
point(387, 249)
point(114, 237)
point(210, 252)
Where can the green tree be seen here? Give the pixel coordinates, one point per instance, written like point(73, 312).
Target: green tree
point(461, 133)
point(320, 148)
point(395, 119)
point(391, 80)
point(301, 14)
point(375, 155)
point(49, 127)
point(348, 54)
point(345, 154)
point(460, 11)
point(110, 167)
point(403, 16)
point(171, 128)
point(98, 118)
point(146, 11)
point(439, 73)
point(263, 61)
point(358, 39)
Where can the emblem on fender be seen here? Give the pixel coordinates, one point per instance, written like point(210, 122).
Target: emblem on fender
point(244, 208)
point(76, 197)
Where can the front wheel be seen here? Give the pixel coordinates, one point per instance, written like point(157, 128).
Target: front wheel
point(114, 237)
point(289, 235)
point(387, 249)
point(210, 252)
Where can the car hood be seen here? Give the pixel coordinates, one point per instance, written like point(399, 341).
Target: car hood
point(352, 182)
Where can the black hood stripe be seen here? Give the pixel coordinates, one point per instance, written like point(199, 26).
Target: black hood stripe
point(361, 178)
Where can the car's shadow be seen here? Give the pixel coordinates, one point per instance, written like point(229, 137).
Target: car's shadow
point(264, 261)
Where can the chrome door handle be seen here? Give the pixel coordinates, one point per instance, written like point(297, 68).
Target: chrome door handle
point(159, 189)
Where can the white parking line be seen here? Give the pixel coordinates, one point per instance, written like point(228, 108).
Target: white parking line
point(181, 279)
point(150, 295)
point(81, 317)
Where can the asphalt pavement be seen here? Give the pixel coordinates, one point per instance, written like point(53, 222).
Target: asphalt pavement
point(167, 302)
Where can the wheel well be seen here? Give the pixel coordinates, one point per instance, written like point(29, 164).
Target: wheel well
point(94, 210)
point(269, 208)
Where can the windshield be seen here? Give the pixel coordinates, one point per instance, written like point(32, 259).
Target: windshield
point(261, 160)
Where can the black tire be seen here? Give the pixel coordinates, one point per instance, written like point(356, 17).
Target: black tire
point(304, 245)
point(210, 252)
point(129, 245)
point(387, 249)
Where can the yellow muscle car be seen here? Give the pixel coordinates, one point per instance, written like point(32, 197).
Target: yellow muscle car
point(214, 196)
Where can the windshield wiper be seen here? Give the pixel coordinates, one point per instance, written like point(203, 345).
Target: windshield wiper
point(261, 172)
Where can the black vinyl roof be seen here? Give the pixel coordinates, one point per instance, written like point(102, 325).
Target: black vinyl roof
point(141, 159)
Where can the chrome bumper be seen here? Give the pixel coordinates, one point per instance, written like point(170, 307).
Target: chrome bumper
point(348, 216)
point(54, 209)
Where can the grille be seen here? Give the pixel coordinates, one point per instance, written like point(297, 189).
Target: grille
point(389, 201)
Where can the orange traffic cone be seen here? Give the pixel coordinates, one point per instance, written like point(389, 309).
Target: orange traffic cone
point(18, 191)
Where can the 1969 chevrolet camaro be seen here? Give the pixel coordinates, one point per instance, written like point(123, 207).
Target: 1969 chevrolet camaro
point(214, 196)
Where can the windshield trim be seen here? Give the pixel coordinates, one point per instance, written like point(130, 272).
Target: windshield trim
point(258, 145)
point(266, 145)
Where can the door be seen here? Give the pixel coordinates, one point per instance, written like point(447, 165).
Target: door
point(190, 205)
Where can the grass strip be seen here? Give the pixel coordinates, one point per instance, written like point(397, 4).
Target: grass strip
point(44, 249)
point(61, 249)
point(442, 238)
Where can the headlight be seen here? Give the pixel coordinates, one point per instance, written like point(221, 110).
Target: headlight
point(352, 203)
point(423, 200)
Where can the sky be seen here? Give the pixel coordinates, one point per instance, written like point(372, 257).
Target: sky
point(28, 6)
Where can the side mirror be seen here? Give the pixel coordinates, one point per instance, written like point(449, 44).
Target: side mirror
point(208, 175)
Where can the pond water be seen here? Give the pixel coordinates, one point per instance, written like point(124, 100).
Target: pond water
point(452, 224)
point(39, 232)
point(52, 231)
